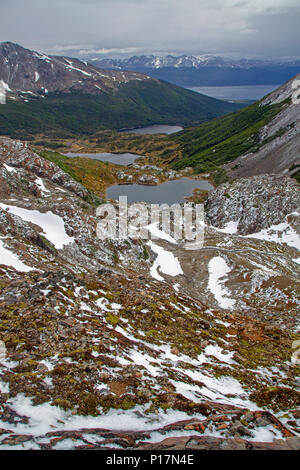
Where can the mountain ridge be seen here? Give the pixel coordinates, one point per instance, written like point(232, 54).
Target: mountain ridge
point(29, 72)
point(193, 61)
point(206, 70)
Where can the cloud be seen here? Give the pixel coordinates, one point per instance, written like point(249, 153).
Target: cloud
point(249, 27)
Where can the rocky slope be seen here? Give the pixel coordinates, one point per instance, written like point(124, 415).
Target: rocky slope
point(279, 140)
point(146, 345)
point(28, 73)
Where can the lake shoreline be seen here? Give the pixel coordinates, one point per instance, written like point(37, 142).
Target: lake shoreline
point(149, 177)
point(195, 184)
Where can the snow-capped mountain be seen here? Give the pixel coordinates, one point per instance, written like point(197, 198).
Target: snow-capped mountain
point(26, 72)
point(157, 62)
point(204, 70)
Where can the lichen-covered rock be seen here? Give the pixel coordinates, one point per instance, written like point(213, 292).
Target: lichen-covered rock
point(19, 155)
point(255, 203)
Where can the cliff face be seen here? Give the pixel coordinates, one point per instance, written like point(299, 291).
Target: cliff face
point(106, 342)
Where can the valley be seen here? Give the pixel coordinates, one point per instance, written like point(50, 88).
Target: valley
point(67, 97)
point(250, 134)
point(149, 343)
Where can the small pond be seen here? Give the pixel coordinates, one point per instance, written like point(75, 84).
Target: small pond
point(170, 192)
point(115, 158)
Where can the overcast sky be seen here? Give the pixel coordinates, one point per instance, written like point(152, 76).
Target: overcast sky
point(248, 28)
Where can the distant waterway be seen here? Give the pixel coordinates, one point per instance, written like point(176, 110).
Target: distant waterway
point(159, 129)
point(235, 93)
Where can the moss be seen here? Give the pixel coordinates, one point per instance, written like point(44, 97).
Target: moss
point(69, 293)
point(146, 255)
point(276, 398)
point(81, 354)
point(244, 422)
point(32, 363)
point(60, 370)
point(44, 243)
point(116, 257)
point(70, 379)
point(109, 296)
point(27, 374)
point(61, 403)
point(112, 319)
point(126, 404)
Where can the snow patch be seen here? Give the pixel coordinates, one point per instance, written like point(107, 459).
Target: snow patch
point(9, 168)
point(53, 226)
point(282, 234)
point(216, 352)
point(165, 261)
point(230, 228)
point(154, 230)
point(40, 183)
point(5, 86)
point(44, 418)
point(10, 259)
point(218, 270)
point(2, 352)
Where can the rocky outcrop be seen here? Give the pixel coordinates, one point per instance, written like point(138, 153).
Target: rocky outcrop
point(148, 180)
point(19, 155)
point(192, 438)
point(254, 203)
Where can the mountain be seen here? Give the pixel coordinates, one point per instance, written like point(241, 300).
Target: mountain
point(136, 344)
point(262, 138)
point(68, 96)
point(29, 74)
point(185, 61)
point(204, 70)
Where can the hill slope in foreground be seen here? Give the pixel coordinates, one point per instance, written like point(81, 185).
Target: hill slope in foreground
point(145, 345)
point(261, 138)
point(67, 96)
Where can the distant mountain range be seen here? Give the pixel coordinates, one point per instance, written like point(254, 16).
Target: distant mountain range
point(204, 70)
point(53, 93)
